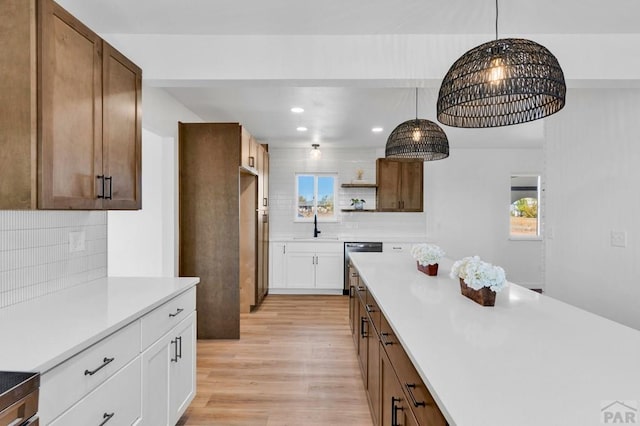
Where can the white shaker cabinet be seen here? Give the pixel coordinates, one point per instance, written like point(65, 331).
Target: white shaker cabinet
point(329, 270)
point(277, 257)
point(168, 365)
point(182, 366)
point(306, 267)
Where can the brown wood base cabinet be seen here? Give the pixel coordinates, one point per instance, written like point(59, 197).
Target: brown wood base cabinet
point(70, 131)
point(396, 393)
point(223, 223)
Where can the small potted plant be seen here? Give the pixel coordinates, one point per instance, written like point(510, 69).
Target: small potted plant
point(358, 203)
point(479, 280)
point(427, 257)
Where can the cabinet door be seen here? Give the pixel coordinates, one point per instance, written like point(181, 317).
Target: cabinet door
point(394, 410)
point(388, 178)
point(373, 372)
point(182, 368)
point(411, 186)
point(277, 256)
point(265, 179)
point(122, 131)
point(364, 328)
point(329, 270)
point(265, 256)
point(300, 270)
point(70, 110)
point(246, 160)
point(353, 314)
point(155, 383)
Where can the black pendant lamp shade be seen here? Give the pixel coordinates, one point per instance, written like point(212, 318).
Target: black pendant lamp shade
point(417, 139)
point(500, 83)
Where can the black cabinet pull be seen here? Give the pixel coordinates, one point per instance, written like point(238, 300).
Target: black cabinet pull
point(410, 387)
point(252, 162)
point(369, 308)
point(383, 339)
point(175, 350)
point(106, 361)
point(360, 288)
point(110, 179)
point(179, 352)
point(106, 418)
point(100, 186)
point(177, 313)
point(363, 333)
point(394, 411)
point(265, 202)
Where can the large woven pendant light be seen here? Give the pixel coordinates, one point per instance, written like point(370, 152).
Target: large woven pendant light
point(500, 83)
point(417, 139)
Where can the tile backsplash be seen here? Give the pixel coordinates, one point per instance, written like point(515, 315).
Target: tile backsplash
point(34, 252)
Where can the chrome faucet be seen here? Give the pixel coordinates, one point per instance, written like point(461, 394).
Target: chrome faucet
point(315, 226)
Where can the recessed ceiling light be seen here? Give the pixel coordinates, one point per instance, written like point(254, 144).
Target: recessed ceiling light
point(297, 110)
point(301, 129)
point(376, 129)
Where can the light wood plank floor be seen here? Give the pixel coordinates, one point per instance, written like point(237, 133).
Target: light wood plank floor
point(295, 364)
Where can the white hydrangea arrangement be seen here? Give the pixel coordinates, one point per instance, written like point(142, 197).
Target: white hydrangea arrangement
point(427, 254)
point(477, 274)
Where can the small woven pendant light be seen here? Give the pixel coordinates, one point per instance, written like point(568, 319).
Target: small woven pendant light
point(500, 83)
point(417, 139)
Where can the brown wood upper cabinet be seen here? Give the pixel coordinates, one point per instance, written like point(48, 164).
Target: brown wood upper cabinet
point(400, 185)
point(73, 140)
point(249, 152)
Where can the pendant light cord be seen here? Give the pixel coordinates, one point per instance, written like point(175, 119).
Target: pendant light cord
point(496, 19)
point(416, 103)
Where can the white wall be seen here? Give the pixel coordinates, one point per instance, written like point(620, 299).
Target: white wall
point(591, 156)
point(144, 242)
point(467, 199)
point(284, 163)
point(138, 240)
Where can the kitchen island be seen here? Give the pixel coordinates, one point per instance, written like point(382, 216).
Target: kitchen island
point(530, 360)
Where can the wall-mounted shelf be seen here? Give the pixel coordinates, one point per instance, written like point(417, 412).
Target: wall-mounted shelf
point(362, 210)
point(359, 185)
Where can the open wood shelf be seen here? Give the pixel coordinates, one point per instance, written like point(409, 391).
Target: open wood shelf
point(363, 210)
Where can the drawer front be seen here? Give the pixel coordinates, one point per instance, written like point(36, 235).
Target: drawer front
point(418, 397)
point(315, 247)
point(67, 383)
point(115, 403)
point(373, 310)
point(162, 319)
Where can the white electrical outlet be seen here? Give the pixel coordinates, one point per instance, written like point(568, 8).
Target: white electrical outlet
point(76, 241)
point(618, 238)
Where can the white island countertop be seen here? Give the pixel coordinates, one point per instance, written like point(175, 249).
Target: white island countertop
point(530, 360)
point(39, 334)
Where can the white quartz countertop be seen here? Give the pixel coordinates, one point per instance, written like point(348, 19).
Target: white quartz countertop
point(530, 360)
point(39, 334)
point(350, 238)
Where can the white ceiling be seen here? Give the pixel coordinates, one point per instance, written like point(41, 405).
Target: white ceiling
point(343, 114)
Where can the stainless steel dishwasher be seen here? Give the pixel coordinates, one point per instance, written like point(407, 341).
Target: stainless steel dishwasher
point(351, 247)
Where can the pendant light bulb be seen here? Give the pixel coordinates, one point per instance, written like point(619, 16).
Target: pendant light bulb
point(315, 151)
point(416, 134)
point(496, 71)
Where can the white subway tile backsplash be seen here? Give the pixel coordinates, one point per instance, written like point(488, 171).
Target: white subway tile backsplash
point(34, 252)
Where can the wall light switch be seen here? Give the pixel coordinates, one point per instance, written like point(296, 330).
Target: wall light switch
point(618, 238)
point(76, 241)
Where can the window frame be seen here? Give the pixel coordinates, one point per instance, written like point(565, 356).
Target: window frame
point(539, 235)
point(316, 175)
